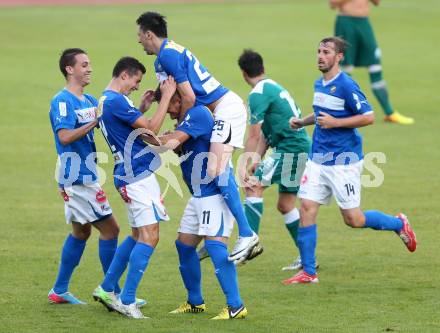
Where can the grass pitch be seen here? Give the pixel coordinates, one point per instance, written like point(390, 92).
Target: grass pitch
point(369, 282)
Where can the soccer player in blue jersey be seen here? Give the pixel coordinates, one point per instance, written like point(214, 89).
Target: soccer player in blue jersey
point(73, 118)
point(206, 215)
point(123, 125)
point(335, 163)
point(198, 87)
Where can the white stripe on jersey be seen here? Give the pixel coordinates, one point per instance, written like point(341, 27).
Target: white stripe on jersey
point(328, 101)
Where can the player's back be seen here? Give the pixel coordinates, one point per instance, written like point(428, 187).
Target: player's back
point(177, 61)
point(340, 97)
point(67, 111)
point(134, 159)
point(197, 123)
point(272, 106)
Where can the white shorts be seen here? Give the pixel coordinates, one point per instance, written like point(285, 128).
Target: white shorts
point(230, 120)
point(143, 202)
point(320, 182)
point(85, 203)
point(208, 216)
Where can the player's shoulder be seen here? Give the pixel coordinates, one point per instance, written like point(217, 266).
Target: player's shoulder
point(346, 80)
point(117, 99)
point(264, 87)
point(61, 96)
point(200, 113)
point(171, 49)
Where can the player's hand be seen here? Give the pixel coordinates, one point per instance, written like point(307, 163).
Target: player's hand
point(146, 100)
point(168, 87)
point(326, 121)
point(296, 123)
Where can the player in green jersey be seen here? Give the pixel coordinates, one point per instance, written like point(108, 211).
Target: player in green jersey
point(353, 25)
point(271, 107)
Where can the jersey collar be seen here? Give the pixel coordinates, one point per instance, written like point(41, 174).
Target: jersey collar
point(325, 83)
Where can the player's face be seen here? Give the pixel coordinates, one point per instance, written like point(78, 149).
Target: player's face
point(174, 107)
point(82, 70)
point(144, 39)
point(131, 83)
point(327, 57)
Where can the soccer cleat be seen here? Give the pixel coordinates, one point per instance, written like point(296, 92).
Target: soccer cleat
point(243, 247)
point(202, 253)
point(65, 298)
point(231, 313)
point(301, 277)
point(406, 234)
point(397, 118)
point(139, 301)
point(255, 252)
point(189, 308)
point(297, 264)
point(130, 310)
point(106, 298)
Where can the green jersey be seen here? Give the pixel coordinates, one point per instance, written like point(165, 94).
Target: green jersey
point(272, 106)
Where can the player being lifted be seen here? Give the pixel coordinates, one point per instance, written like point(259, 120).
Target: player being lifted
point(73, 118)
point(336, 159)
point(271, 107)
point(197, 86)
point(206, 215)
point(122, 125)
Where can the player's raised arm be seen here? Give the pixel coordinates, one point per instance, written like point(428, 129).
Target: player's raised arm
point(187, 95)
point(167, 89)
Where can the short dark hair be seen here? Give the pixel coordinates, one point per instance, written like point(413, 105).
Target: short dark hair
point(67, 58)
point(251, 63)
point(341, 45)
point(130, 65)
point(158, 94)
point(154, 22)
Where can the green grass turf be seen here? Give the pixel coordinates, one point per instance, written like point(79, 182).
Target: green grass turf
point(369, 282)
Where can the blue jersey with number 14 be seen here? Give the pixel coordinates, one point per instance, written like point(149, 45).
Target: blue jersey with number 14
point(177, 61)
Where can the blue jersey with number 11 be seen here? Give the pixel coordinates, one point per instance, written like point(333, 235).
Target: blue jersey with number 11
point(177, 61)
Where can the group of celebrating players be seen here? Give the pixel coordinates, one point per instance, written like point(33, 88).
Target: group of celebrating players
point(210, 124)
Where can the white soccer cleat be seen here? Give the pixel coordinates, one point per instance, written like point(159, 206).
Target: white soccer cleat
point(202, 253)
point(130, 310)
point(296, 265)
point(243, 247)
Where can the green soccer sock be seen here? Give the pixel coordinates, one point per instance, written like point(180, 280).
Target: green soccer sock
point(253, 208)
point(292, 222)
point(380, 89)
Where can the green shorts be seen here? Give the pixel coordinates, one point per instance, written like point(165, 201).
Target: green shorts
point(357, 31)
point(284, 169)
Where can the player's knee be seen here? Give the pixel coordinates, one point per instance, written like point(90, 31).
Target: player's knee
point(284, 207)
point(83, 233)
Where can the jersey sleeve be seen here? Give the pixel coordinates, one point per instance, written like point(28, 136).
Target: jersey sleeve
point(196, 123)
point(124, 109)
point(173, 63)
point(258, 105)
point(356, 101)
point(63, 114)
